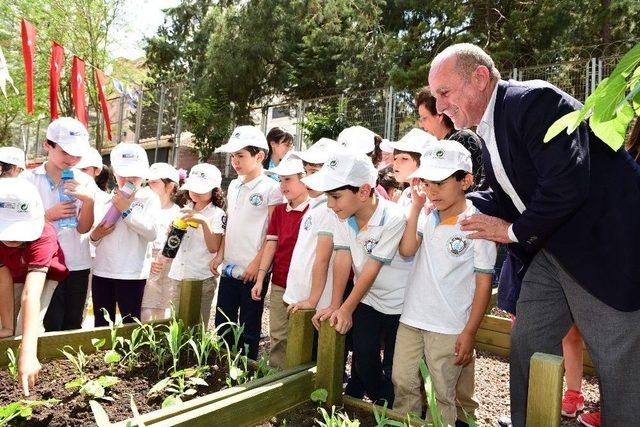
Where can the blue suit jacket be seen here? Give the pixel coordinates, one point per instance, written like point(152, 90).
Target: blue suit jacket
point(582, 199)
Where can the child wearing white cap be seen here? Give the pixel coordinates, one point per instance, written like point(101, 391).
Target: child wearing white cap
point(200, 245)
point(282, 235)
point(160, 291)
point(444, 305)
point(367, 238)
point(67, 140)
point(251, 199)
point(31, 265)
point(11, 162)
point(119, 276)
point(406, 159)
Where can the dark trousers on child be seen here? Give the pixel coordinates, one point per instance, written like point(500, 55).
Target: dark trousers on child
point(106, 293)
point(371, 331)
point(67, 304)
point(236, 305)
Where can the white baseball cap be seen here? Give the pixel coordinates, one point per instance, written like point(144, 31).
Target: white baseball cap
point(21, 211)
point(358, 139)
point(385, 146)
point(92, 158)
point(70, 134)
point(442, 159)
point(289, 165)
point(415, 141)
point(163, 170)
point(12, 156)
point(203, 178)
point(129, 160)
point(244, 136)
point(318, 153)
point(342, 168)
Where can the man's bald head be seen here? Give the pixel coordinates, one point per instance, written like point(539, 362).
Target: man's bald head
point(467, 58)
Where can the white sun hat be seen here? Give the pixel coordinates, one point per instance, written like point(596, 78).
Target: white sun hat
point(13, 156)
point(442, 159)
point(289, 165)
point(129, 160)
point(163, 170)
point(358, 139)
point(318, 153)
point(244, 136)
point(415, 141)
point(203, 178)
point(385, 146)
point(92, 158)
point(70, 134)
point(342, 168)
point(21, 211)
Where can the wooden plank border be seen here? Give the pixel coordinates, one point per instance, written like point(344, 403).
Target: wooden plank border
point(546, 374)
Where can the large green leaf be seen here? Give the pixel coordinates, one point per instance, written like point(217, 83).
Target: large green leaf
point(613, 132)
point(628, 62)
point(613, 94)
point(160, 385)
point(561, 124)
point(112, 356)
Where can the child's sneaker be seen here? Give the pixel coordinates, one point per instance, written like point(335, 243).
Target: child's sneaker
point(572, 402)
point(590, 419)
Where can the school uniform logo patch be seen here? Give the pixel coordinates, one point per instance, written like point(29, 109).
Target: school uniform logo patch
point(457, 245)
point(370, 244)
point(333, 164)
point(137, 204)
point(224, 222)
point(256, 199)
point(307, 223)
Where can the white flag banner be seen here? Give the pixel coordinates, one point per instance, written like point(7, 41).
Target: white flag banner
point(4, 75)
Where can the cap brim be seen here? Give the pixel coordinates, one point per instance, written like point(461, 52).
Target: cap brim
point(153, 176)
point(386, 147)
point(233, 146)
point(433, 174)
point(313, 158)
point(284, 171)
point(21, 231)
point(131, 171)
point(198, 187)
point(76, 150)
point(321, 181)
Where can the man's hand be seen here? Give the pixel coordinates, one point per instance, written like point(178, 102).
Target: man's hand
point(487, 227)
point(60, 210)
point(28, 371)
point(341, 320)
point(464, 348)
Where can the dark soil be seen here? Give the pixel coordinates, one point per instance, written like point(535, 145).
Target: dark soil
point(305, 415)
point(73, 408)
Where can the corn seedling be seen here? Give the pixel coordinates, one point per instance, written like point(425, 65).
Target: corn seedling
point(22, 409)
point(173, 338)
point(202, 343)
point(112, 356)
point(335, 419)
point(236, 331)
point(178, 385)
point(156, 348)
point(436, 416)
point(263, 369)
point(382, 420)
point(13, 364)
point(92, 388)
point(134, 345)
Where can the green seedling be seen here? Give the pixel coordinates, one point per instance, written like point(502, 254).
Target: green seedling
point(133, 346)
point(178, 385)
point(382, 420)
point(156, 348)
point(13, 364)
point(319, 396)
point(22, 409)
point(202, 343)
point(335, 419)
point(111, 357)
point(436, 415)
point(173, 338)
point(94, 389)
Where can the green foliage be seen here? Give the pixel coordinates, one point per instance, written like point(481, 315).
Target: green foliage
point(94, 389)
point(134, 345)
point(13, 364)
point(112, 356)
point(382, 420)
point(327, 121)
point(432, 403)
point(335, 419)
point(22, 409)
point(611, 107)
point(319, 396)
point(179, 384)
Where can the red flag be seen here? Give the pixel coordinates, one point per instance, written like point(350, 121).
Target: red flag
point(103, 101)
point(55, 68)
point(28, 51)
point(77, 89)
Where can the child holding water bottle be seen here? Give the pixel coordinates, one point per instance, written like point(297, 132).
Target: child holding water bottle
point(206, 219)
point(160, 291)
point(123, 249)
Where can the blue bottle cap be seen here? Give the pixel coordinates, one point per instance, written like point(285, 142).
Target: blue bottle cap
point(66, 174)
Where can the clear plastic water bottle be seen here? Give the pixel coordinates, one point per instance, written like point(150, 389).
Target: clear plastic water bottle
point(233, 270)
point(71, 221)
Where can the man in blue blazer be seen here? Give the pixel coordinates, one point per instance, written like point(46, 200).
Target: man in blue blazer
point(569, 210)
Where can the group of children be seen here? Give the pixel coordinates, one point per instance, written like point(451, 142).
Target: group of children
point(315, 230)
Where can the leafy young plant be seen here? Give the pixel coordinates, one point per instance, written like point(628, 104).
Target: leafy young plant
point(202, 343)
point(22, 409)
point(133, 346)
point(436, 415)
point(92, 388)
point(13, 364)
point(335, 419)
point(382, 420)
point(319, 396)
point(112, 356)
point(178, 385)
point(156, 347)
point(173, 338)
point(611, 107)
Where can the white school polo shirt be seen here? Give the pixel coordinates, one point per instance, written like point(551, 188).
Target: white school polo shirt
point(379, 240)
point(125, 254)
point(442, 283)
point(405, 200)
point(248, 217)
point(193, 257)
point(75, 248)
point(165, 219)
point(315, 222)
